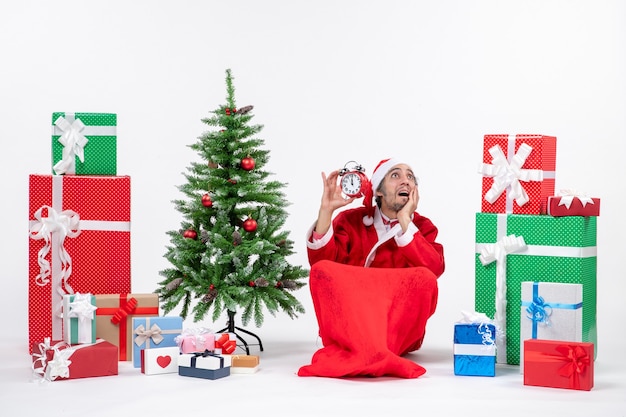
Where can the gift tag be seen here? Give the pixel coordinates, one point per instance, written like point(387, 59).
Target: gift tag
point(160, 360)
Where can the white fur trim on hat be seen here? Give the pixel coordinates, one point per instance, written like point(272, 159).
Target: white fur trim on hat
point(381, 170)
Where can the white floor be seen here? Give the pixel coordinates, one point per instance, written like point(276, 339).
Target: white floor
point(276, 389)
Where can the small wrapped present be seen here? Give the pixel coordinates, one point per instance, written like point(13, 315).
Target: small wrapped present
point(475, 346)
point(518, 173)
point(151, 332)
point(573, 203)
point(225, 343)
point(558, 364)
point(114, 318)
point(84, 143)
point(244, 364)
point(57, 360)
point(207, 365)
point(550, 311)
point(79, 318)
point(157, 361)
point(79, 230)
point(193, 340)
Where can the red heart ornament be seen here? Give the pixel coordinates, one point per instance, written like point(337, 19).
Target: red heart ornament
point(163, 361)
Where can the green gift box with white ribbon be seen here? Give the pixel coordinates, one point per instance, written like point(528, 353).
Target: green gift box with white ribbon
point(513, 248)
point(84, 143)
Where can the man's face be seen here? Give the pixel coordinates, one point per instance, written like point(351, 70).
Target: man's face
point(396, 186)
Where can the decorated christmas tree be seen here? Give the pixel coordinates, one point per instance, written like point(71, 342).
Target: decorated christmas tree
point(230, 253)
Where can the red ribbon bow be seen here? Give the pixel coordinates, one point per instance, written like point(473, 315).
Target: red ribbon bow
point(123, 312)
point(576, 360)
point(228, 346)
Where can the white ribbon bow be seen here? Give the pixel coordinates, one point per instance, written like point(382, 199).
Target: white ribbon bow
point(508, 175)
point(567, 196)
point(82, 308)
point(497, 252)
point(64, 224)
point(143, 334)
point(59, 366)
point(73, 142)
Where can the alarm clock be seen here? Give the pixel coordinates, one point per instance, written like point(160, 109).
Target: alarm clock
point(353, 180)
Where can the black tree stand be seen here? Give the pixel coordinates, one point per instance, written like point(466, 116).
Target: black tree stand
point(230, 327)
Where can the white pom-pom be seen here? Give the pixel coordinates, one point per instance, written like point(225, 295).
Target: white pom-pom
point(368, 220)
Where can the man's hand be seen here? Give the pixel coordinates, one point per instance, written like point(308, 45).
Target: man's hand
point(332, 199)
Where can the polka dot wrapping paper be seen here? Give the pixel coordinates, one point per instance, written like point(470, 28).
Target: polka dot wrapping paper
point(558, 249)
point(511, 173)
point(84, 143)
point(79, 243)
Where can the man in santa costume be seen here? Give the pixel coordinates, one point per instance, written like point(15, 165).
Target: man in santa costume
point(373, 279)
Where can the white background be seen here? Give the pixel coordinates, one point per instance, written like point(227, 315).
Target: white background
point(331, 81)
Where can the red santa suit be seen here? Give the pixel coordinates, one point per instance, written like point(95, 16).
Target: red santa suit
point(373, 289)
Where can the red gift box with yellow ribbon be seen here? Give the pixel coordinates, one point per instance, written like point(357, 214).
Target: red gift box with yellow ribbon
point(79, 229)
point(114, 315)
point(558, 364)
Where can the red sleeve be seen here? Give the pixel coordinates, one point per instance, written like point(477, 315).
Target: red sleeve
point(424, 250)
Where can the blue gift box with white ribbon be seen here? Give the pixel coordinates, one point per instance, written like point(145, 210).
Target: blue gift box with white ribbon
point(475, 349)
point(550, 311)
point(207, 365)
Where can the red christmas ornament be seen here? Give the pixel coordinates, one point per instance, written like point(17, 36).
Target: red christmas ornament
point(249, 225)
point(279, 284)
point(190, 234)
point(248, 163)
point(251, 283)
point(211, 287)
point(206, 200)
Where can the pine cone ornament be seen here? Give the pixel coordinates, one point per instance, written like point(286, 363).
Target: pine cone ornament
point(289, 285)
point(210, 295)
point(204, 236)
point(245, 109)
point(236, 238)
point(173, 284)
point(261, 282)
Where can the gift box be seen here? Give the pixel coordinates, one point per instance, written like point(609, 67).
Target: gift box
point(151, 332)
point(518, 173)
point(512, 248)
point(57, 360)
point(244, 364)
point(205, 365)
point(158, 361)
point(559, 364)
point(195, 340)
point(79, 318)
point(571, 204)
point(79, 242)
point(474, 349)
point(115, 314)
point(84, 143)
point(550, 311)
point(225, 343)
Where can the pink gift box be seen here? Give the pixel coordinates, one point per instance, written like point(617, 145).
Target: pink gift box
point(196, 343)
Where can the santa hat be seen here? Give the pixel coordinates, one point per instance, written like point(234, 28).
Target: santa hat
point(379, 173)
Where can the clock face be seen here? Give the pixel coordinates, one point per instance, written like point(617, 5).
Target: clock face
point(351, 184)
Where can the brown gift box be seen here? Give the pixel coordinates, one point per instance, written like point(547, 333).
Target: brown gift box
point(114, 315)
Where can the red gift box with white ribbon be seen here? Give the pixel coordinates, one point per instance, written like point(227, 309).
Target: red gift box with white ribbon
point(573, 203)
point(79, 230)
point(518, 173)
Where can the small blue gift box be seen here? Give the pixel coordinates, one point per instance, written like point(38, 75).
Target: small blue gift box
point(475, 349)
point(151, 332)
point(207, 365)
